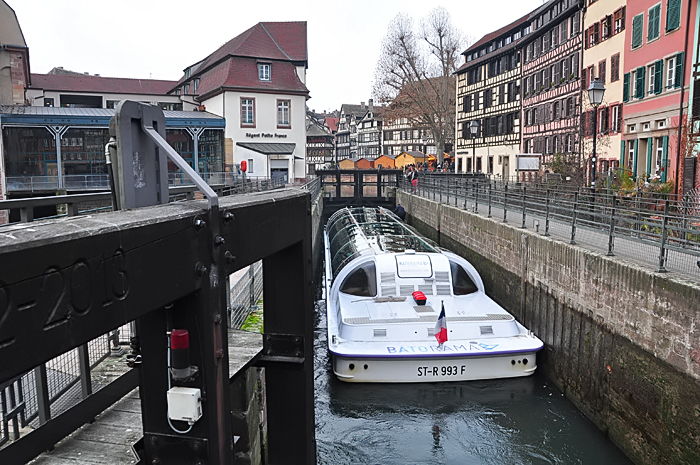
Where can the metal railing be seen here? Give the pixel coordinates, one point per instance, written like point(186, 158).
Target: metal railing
point(245, 294)
point(657, 230)
point(73, 202)
point(32, 399)
point(314, 186)
point(87, 182)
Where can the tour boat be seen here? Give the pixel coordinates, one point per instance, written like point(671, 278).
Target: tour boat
point(386, 288)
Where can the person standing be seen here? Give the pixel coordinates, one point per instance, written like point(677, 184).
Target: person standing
point(413, 177)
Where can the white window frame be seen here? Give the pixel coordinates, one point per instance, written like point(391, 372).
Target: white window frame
point(247, 108)
point(264, 71)
point(284, 113)
point(670, 72)
point(650, 72)
point(250, 166)
point(633, 84)
point(615, 115)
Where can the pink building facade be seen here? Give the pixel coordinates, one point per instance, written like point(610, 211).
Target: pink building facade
point(656, 83)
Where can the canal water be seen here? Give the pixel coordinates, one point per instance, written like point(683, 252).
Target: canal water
point(498, 422)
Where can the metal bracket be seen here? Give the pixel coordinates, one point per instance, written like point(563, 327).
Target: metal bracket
point(284, 348)
point(182, 164)
point(164, 449)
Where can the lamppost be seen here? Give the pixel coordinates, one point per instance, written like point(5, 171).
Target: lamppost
point(474, 128)
point(595, 96)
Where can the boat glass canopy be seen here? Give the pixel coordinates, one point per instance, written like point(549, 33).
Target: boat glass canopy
point(353, 232)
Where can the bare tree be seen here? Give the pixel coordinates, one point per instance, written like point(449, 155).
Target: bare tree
point(414, 74)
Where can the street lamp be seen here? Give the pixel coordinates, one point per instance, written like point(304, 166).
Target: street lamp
point(595, 96)
point(474, 128)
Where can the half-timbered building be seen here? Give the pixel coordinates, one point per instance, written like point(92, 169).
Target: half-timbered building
point(320, 150)
point(369, 133)
point(551, 88)
point(489, 92)
point(400, 135)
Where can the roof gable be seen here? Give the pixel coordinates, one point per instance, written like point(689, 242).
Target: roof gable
point(272, 41)
point(242, 72)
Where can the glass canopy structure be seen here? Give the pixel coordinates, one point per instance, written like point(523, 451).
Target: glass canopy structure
point(353, 232)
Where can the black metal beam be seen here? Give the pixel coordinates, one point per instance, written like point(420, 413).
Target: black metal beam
point(288, 353)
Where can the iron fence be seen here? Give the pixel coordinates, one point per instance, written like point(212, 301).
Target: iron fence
point(32, 399)
point(654, 229)
point(245, 294)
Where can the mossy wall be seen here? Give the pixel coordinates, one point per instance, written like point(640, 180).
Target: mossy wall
point(621, 341)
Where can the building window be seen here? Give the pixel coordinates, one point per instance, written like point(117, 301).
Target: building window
point(673, 15)
point(637, 30)
point(614, 118)
point(187, 89)
point(195, 85)
point(283, 113)
point(48, 102)
point(615, 68)
point(264, 71)
point(670, 72)
point(248, 112)
point(250, 166)
point(654, 22)
point(619, 17)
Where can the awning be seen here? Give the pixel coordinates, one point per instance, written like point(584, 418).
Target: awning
point(268, 148)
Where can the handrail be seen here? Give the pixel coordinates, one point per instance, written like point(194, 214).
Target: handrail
point(659, 230)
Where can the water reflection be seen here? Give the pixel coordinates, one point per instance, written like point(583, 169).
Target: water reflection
point(515, 421)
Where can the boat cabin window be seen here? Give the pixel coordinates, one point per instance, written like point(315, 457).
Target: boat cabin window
point(462, 284)
point(361, 282)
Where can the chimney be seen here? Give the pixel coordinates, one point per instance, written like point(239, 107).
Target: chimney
point(362, 105)
point(371, 105)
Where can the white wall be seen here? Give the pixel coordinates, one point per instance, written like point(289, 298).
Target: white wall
point(266, 123)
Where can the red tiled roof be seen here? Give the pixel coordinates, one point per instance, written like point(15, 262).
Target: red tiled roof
point(492, 35)
point(272, 41)
point(242, 72)
point(332, 123)
point(99, 84)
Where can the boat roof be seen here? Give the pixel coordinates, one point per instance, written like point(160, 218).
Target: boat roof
point(353, 232)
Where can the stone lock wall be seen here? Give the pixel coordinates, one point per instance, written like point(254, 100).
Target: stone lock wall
point(621, 341)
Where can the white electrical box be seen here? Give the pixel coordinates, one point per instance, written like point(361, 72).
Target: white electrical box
point(185, 404)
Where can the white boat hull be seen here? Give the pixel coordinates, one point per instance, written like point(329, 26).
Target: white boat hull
point(433, 369)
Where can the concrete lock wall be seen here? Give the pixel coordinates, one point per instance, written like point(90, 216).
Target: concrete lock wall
point(622, 342)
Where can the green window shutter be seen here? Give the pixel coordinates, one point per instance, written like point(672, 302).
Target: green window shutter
point(634, 163)
point(626, 88)
point(650, 148)
point(622, 153)
point(658, 76)
point(664, 160)
point(637, 28)
point(653, 26)
point(679, 70)
point(673, 15)
point(640, 82)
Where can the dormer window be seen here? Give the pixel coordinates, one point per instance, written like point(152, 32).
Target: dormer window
point(264, 71)
point(195, 85)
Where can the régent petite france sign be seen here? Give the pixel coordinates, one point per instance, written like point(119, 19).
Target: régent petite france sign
point(265, 135)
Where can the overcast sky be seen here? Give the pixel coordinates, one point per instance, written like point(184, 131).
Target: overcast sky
point(159, 38)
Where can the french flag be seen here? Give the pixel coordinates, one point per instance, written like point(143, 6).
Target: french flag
point(441, 327)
